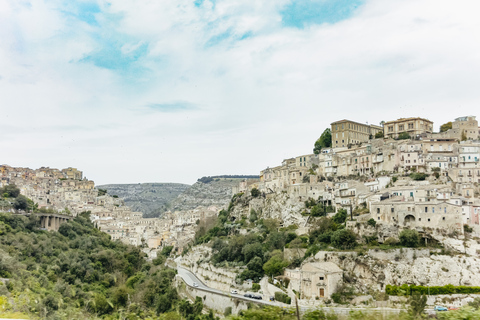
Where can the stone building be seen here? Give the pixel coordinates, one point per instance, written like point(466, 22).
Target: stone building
point(413, 126)
point(347, 132)
point(434, 213)
point(315, 280)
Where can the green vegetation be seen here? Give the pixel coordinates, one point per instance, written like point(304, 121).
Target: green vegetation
point(340, 217)
point(379, 135)
point(407, 290)
point(418, 176)
point(12, 199)
point(372, 222)
point(283, 297)
point(317, 208)
point(403, 136)
point(79, 273)
point(446, 126)
point(325, 141)
point(255, 192)
point(409, 238)
point(209, 179)
point(102, 192)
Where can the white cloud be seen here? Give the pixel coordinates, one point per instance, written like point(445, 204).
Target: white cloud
point(257, 100)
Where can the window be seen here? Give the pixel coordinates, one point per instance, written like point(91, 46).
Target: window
point(378, 210)
point(428, 220)
point(426, 209)
point(321, 278)
point(392, 209)
point(443, 218)
point(433, 210)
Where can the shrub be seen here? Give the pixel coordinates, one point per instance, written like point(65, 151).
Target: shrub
point(409, 238)
point(340, 216)
point(379, 135)
point(344, 239)
point(282, 297)
point(372, 222)
point(390, 241)
point(407, 290)
point(255, 287)
point(467, 228)
point(255, 192)
point(403, 136)
point(418, 176)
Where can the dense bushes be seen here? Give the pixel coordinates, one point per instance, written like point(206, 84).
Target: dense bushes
point(406, 290)
point(283, 297)
point(409, 238)
point(79, 270)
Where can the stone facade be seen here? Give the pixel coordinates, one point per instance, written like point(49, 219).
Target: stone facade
point(316, 280)
point(412, 126)
point(346, 132)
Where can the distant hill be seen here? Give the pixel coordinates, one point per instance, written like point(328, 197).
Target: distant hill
point(207, 191)
point(150, 198)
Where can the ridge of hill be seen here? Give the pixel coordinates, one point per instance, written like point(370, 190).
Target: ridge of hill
point(150, 198)
point(213, 192)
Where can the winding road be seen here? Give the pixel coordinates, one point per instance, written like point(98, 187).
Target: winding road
point(190, 279)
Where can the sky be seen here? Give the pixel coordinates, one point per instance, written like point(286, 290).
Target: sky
point(172, 90)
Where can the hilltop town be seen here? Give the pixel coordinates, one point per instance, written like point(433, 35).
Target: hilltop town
point(407, 176)
point(68, 192)
point(336, 222)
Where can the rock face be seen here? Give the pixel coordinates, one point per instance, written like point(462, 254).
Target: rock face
point(217, 192)
point(426, 267)
point(280, 206)
point(150, 198)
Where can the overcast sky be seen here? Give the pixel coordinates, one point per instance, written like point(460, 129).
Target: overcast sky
point(170, 91)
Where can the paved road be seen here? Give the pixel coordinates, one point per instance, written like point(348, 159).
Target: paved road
point(190, 278)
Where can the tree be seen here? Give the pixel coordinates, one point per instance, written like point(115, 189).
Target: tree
point(21, 203)
point(253, 216)
point(464, 136)
point(409, 238)
point(10, 191)
point(372, 222)
point(403, 136)
point(255, 192)
point(417, 305)
point(446, 126)
point(379, 135)
point(325, 141)
point(344, 239)
point(275, 265)
point(340, 216)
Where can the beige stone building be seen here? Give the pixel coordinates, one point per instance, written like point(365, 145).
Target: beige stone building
point(317, 280)
point(467, 126)
point(347, 132)
point(432, 213)
point(72, 173)
point(413, 126)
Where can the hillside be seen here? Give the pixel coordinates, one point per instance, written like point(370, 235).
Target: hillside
point(150, 198)
point(77, 273)
point(216, 192)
